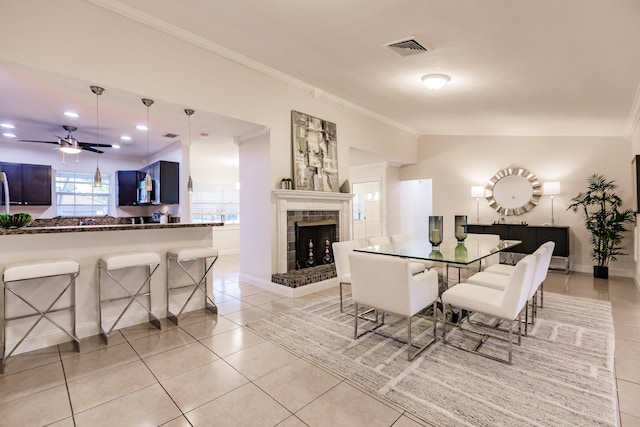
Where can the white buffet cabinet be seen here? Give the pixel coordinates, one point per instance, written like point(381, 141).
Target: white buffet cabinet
point(86, 244)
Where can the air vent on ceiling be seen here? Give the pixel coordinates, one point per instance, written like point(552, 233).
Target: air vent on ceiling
point(407, 47)
point(170, 135)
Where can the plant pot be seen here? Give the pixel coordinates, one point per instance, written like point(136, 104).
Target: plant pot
point(600, 272)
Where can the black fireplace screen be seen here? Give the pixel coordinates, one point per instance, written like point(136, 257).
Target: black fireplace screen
point(313, 242)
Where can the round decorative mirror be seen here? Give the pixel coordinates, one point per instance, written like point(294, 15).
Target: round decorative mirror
point(513, 191)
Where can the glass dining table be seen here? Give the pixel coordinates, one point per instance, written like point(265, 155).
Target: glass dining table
point(450, 252)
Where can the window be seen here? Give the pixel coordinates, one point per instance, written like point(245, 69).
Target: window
point(76, 195)
point(215, 203)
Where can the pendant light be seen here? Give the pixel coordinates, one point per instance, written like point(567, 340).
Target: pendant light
point(97, 177)
point(189, 112)
point(148, 183)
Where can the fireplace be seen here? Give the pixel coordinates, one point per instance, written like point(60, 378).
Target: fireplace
point(329, 213)
point(313, 242)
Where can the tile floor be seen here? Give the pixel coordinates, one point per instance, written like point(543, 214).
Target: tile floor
point(213, 371)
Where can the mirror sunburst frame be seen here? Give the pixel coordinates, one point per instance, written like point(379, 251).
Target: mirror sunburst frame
point(527, 205)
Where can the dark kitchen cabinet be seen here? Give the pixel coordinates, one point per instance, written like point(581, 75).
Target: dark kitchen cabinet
point(167, 182)
point(29, 185)
point(128, 187)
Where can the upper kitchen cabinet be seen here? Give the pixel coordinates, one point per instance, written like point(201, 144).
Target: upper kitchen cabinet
point(166, 177)
point(128, 187)
point(28, 184)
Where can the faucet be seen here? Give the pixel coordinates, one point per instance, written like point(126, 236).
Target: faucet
point(5, 184)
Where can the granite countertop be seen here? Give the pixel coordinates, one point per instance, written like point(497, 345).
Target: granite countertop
point(106, 227)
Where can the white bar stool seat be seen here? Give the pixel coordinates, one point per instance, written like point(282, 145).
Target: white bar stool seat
point(183, 255)
point(119, 261)
point(20, 272)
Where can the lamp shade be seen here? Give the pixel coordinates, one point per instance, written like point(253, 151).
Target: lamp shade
point(435, 81)
point(550, 188)
point(477, 191)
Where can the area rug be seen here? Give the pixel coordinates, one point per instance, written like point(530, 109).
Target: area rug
point(562, 375)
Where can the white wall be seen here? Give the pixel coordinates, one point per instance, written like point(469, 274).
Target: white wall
point(455, 163)
point(155, 65)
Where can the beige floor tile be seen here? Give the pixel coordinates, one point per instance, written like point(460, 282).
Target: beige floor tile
point(178, 422)
point(89, 344)
point(345, 406)
point(229, 342)
point(107, 385)
point(220, 297)
point(247, 315)
point(243, 291)
point(406, 421)
point(81, 365)
point(178, 360)
point(225, 283)
point(292, 421)
point(260, 359)
point(232, 306)
point(297, 384)
point(629, 396)
point(627, 420)
point(157, 343)
point(628, 348)
point(30, 360)
point(37, 409)
point(67, 422)
point(261, 298)
point(203, 384)
point(628, 369)
point(149, 406)
point(246, 406)
point(209, 327)
point(195, 316)
point(630, 333)
point(30, 381)
point(626, 318)
point(145, 329)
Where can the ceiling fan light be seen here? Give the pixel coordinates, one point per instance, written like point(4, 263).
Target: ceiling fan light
point(70, 149)
point(435, 81)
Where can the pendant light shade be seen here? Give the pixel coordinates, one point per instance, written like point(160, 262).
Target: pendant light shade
point(189, 112)
point(148, 183)
point(97, 177)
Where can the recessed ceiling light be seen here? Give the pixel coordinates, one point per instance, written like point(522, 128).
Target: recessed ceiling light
point(9, 135)
point(71, 114)
point(115, 146)
point(435, 81)
point(125, 138)
point(141, 127)
point(7, 126)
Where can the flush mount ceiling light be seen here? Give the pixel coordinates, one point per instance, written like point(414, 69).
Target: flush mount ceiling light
point(71, 114)
point(435, 81)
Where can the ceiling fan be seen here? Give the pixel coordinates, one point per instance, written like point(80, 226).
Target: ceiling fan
point(70, 145)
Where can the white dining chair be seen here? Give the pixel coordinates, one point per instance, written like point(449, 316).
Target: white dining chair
point(341, 251)
point(416, 266)
point(506, 304)
point(387, 284)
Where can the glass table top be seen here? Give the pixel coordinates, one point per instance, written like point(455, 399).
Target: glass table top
point(450, 251)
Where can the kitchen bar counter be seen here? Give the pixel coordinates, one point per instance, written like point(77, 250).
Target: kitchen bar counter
point(86, 244)
point(109, 227)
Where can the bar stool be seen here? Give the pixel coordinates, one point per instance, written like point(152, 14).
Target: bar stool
point(16, 273)
point(180, 256)
point(112, 262)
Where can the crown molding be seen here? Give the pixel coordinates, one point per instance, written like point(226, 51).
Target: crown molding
point(179, 33)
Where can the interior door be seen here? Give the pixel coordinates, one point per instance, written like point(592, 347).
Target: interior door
point(366, 210)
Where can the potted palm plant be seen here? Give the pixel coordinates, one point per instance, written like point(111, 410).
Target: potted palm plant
point(604, 219)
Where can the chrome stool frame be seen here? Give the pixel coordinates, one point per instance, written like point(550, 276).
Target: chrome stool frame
point(191, 254)
point(152, 265)
point(72, 269)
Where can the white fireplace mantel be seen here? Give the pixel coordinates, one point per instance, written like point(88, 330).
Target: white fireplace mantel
point(297, 200)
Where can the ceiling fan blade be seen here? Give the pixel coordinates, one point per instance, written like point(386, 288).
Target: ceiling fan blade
point(91, 144)
point(93, 150)
point(32, 140)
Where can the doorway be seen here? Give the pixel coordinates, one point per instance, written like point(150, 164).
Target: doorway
point(366, 210)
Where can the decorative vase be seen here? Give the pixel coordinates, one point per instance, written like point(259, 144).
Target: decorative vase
point(435, 231)
point(460, 252)
point(460, 227)
point(600, 272)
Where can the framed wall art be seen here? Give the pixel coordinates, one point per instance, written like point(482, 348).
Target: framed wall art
point(315, 153)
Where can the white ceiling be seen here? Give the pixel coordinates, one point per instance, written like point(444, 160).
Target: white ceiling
point(543, 67)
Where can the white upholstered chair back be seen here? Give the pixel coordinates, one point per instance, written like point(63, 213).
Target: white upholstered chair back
point(341, 251)
point(386, 282)
point(396, 238)
point(516, 293)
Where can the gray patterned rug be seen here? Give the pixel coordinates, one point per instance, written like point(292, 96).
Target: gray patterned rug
point(562, 375)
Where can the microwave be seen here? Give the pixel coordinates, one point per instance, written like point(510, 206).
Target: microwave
point(146, 197)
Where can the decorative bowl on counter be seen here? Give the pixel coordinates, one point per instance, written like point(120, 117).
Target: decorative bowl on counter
point(15, 221)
